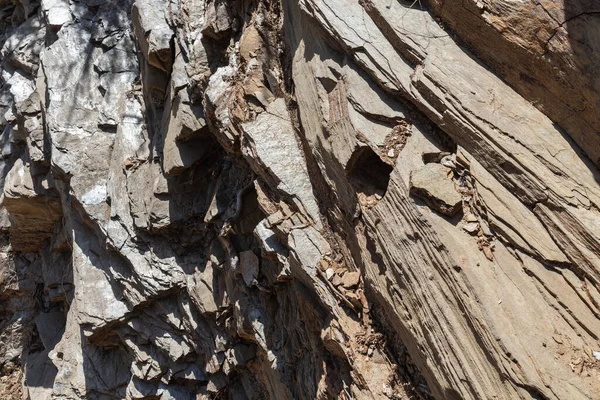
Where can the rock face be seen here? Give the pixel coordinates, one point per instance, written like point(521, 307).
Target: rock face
point(299, 199)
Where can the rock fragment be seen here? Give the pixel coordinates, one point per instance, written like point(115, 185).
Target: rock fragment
point(351, 279)
point(56, 12)
point(432, 185)
point(249, 267)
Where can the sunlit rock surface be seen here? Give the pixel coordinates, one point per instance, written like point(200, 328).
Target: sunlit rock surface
point(313, 199)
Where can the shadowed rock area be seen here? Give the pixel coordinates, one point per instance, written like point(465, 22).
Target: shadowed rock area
point(313, 199)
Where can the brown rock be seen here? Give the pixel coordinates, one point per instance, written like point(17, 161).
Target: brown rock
point(336, 280)
point(431, 184)
point(351, 279)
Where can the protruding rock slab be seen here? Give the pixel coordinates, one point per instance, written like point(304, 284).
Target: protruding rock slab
point(153, 33)
point(431, 183)
point(275, 147)
point(33, 214)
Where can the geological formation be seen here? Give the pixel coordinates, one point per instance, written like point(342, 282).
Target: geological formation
point(300, 199)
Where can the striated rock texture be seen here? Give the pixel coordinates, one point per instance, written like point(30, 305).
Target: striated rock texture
point(299, 199)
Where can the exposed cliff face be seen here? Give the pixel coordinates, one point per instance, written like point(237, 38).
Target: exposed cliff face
point(299, 200)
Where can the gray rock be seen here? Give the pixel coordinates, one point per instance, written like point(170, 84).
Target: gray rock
point(22, 48)
point(153, 33)
point(186, 136)
point(274, 147)
point(249, 267)
point(56, 12)
point(50, 326)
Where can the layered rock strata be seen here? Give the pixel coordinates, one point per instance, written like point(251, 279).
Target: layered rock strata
point(299, 199)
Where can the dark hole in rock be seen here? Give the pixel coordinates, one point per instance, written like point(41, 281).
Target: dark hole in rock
point(367, 173)
point(35, 341)
point(251, 213)
point(328, 84)
point(434, 157)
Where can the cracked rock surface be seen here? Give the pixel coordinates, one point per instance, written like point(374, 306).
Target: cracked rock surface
point(313, 199)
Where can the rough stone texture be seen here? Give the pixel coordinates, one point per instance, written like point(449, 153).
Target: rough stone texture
point(305, 199)
point(432, 184)
point(547, 50)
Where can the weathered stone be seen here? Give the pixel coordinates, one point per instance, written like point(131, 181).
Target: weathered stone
point(218, 21)
point(186, 136)
point(431, 183)
point(50, 326)
point(506, 214)
point(275, 149)
point(471, 227)
point(201, 292)
point(249, 267)
point(216, 382)
point(191, 373)
point(545, 51)
point(188, 184)
point(220, 100)
point(351, 279)
point(33, 209)
point(22, 48)
point(153, 33)
point(251, 44)
point(56, 12)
